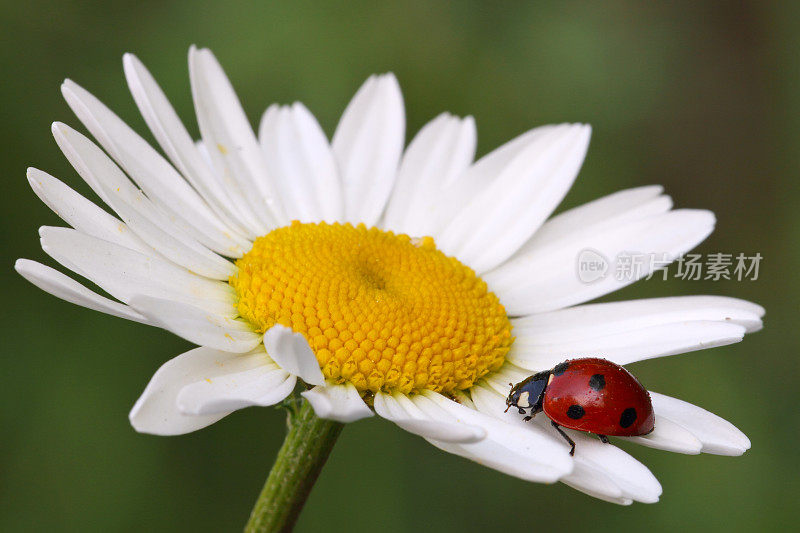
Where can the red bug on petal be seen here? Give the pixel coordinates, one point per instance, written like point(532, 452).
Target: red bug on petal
point(591, 394)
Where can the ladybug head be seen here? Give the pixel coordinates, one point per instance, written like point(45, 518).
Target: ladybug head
point(514, 398)
point(528, 393)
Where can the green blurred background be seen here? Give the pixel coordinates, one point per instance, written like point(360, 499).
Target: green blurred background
point(700, 97)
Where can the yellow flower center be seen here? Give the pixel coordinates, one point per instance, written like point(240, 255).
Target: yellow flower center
point(382, 311)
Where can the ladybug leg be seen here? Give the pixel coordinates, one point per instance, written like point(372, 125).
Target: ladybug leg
point(569, 440)
point(603, 439)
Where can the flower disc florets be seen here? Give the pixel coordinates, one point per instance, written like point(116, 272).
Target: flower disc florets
point(382, 311)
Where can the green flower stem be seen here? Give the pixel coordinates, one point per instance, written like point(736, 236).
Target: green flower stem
point(306, 448)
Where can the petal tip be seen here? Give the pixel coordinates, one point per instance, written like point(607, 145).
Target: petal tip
point(21, 266)
point(131, 64)
point(292, 352)
point(341, 403)
point(57, 127)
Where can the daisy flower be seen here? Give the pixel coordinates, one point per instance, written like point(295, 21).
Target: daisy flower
point(415, 284)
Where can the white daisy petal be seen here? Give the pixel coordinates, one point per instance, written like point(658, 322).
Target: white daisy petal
point(295, 189)
point(529, 455)
point(595, 320)
point(436, 430)
point(197, 325)
point(206, 156)
point(493, 403)
point(547, 279)
point(635, 479)
point(82, 214)
point(634, 345)
point(342, 403)
point(144, 218)
point(412, 419)
point(93, 165)
point(299, 156)
point(669, 436)
point(157, 178)
point(527, 187)
point(471, 183)
point(502, 380)
point(156, 411)
point(275, 132)
point(291, 352)
point(123, 272)
point(509, 370)
point(622, 206)
point(230, 140)
point(596, 460)
point(595, 483)
point(717, 435)
point(368, 144)
point(441, 151)
point(261, 386)
point(54, 282)
point(492, 454)
point(629, 331)
point(176, 142)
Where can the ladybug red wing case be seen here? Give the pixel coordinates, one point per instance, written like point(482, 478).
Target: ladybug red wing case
point(598, 396)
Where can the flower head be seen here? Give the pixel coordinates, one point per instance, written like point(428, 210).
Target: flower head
point(415, 284)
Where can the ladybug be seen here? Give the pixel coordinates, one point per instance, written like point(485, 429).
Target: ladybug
point(588, 394)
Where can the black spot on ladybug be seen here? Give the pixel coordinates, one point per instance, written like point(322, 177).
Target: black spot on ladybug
point(597, 382)
point(576, 412)
point(628, 417)
point(560, 368)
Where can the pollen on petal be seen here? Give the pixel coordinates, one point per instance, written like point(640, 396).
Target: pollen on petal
point(382, 311)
